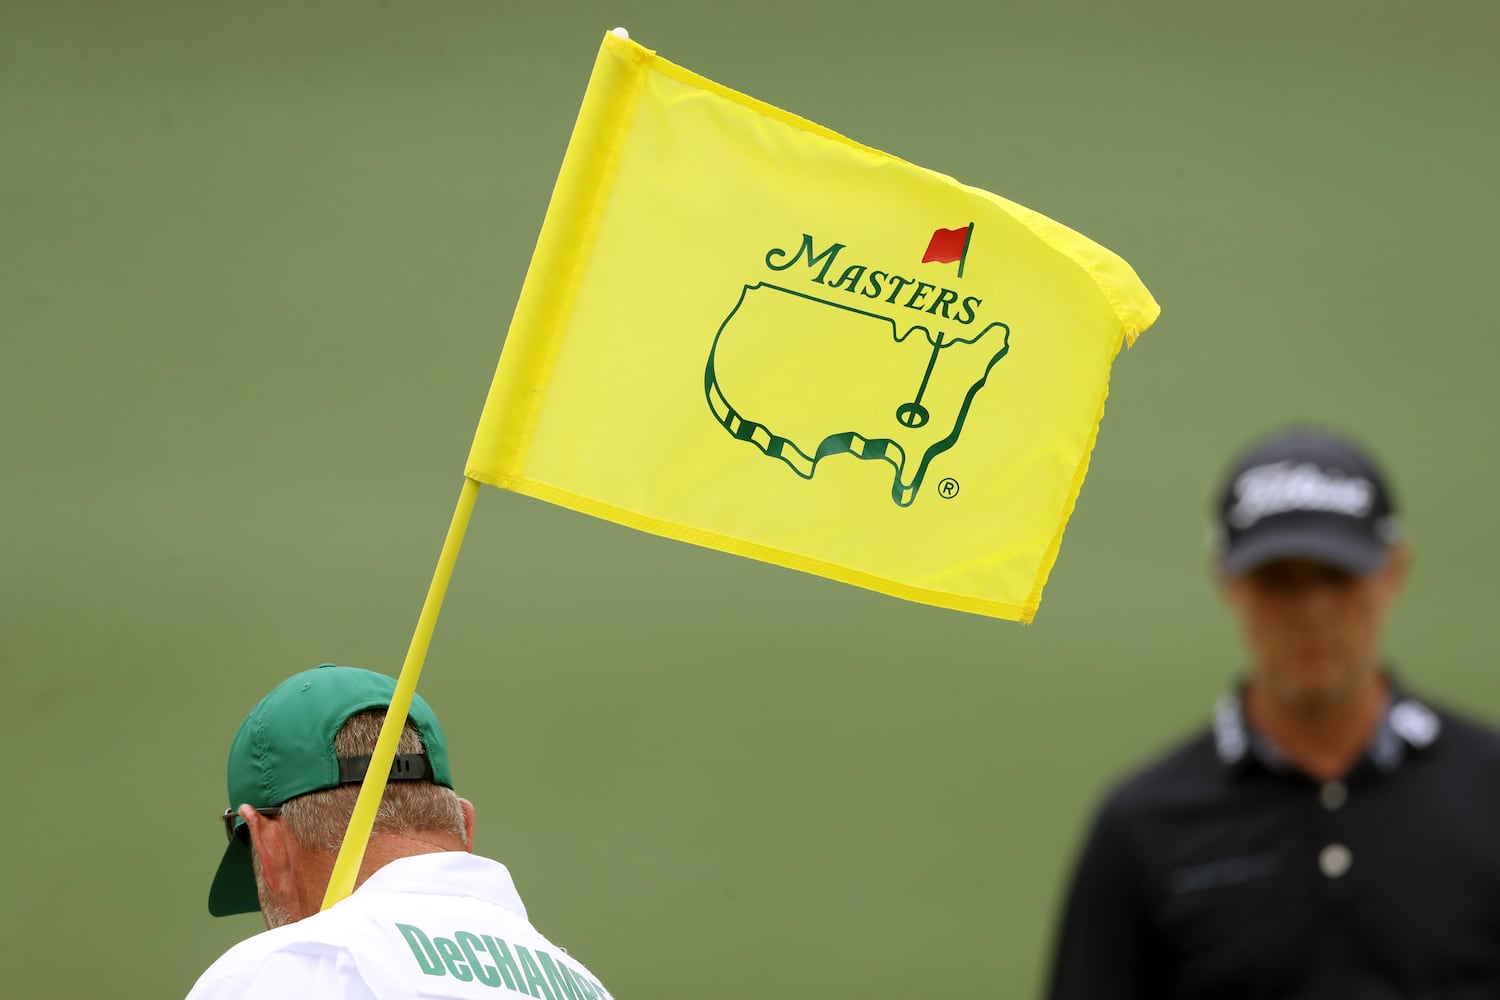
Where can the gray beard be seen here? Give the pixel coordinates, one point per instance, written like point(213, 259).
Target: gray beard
point(276, 912)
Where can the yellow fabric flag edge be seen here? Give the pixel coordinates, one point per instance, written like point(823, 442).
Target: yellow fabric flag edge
point(763, 553)
point(1049, 559)
point(1127, 295)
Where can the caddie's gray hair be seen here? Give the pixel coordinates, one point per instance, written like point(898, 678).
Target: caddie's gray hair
point(318, 819)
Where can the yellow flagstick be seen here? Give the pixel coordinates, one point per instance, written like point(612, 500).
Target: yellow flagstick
point(357, 836)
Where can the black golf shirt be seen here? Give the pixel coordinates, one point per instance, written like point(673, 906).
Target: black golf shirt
point(1223, 872)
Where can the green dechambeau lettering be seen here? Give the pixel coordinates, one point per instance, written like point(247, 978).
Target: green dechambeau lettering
point(562, 983)
point(486, 974)
point(587, 988)
point(580, 983)
point(505, 963)
point(599, 990)
point(534, 977)
point(421, 949)
point(452, 958)
point(806, 249)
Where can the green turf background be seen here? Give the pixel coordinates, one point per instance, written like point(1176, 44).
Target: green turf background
point(256, 263)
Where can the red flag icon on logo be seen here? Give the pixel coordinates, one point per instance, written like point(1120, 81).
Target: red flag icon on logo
point(948, 245)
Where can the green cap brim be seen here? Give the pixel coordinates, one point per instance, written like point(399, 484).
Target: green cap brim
point(233, 890)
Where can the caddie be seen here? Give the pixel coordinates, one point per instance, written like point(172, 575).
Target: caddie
point(427, 917)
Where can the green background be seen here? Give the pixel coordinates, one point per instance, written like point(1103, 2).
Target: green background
point(256, 263)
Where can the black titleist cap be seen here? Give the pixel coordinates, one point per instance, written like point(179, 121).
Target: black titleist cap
point(1310, 495)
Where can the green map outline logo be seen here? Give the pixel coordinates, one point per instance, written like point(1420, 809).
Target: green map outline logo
point(867, 444)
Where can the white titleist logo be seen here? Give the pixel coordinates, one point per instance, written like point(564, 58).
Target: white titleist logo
point(1275, 489)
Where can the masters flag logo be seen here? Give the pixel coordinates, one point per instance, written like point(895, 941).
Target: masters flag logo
point(742, 330)
point(888, 373)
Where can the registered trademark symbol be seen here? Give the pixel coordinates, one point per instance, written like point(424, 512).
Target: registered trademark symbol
point(948, 488)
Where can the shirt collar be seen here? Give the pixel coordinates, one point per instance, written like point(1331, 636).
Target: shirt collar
point(449, 873)
point(1405, 725)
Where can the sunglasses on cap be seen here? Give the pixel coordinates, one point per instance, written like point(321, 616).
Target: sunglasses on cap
point(231, 814)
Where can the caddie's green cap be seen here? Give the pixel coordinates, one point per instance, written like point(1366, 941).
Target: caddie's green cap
point(284, 749)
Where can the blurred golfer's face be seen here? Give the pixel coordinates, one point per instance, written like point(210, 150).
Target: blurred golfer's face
point(1313, 631)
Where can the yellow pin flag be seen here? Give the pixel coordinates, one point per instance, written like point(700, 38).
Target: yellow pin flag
point(742, 330)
